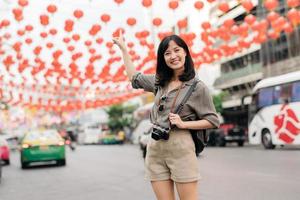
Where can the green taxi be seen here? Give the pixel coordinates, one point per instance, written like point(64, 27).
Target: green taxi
point(42, 145)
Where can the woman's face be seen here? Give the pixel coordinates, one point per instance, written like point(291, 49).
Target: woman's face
point(175, 56)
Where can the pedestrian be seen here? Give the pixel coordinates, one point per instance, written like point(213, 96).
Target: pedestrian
point(171, 158)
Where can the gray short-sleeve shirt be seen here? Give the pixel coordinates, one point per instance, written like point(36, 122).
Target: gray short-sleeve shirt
point(199, 105)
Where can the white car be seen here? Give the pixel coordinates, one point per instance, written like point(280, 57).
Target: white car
point(90, 134)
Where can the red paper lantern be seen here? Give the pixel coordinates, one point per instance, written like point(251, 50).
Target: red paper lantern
point(198, 5)
point(105, 18)
point(119, 1)
point(5, 23)
point(23, 3)
point(294, 16)
point(71, 48)
point(53, 31)
point(206, 25)
point(51, 8)
point(88, 43)
point(28, 28)
point(130, 44)
point(44, 20)
point(43, 34)
point(49, 45)
point(272, 16)
point(293, 3)
point(271, 4)
point(228, 23)
point(224, 7)
point(20, 32)
point(250, 19)
point(131, 21)
point(18, 14)
point(156, 21)
point(95, 29)
point(247, 5)
point(288, 28)
point(146, 3)
point(28, 40)
point(69, 25)
point(99, 40)
point(78, 14)
point(173, 4)
point(182, 23)
point(66, 40)
point(76, 37)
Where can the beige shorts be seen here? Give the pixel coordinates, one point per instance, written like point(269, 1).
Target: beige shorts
point(173, 159)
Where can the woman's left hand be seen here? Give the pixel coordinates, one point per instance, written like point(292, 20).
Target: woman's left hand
point(176, 120)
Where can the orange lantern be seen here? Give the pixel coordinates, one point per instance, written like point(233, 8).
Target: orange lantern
point(119, 1)
point(69, 25)
point(206, 25)
point(43, 34)
point(173, 5)
point(247, 5)
point(51, 8)
point(105, 18)
point(5, 23)
point(23, 3)
point(294, 16)
point(156, 21)
point(182, 23)
point(224, 7)
point(250, 19)
point(28, 28)
point(76, 37)
point(78, 14)
point(53, 31)
point(44, 20)
point(198, 5)
point(271, 4)
point(293, 3)
point(146, 3)
point(131, 21)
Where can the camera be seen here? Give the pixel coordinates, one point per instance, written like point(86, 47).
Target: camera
point(160, 133)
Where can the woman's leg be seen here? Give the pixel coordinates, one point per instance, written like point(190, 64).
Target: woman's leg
point(164, 190)
point(187, 191)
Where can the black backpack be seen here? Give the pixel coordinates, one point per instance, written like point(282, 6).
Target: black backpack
point(199, 136)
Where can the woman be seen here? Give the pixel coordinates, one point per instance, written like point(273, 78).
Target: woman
point(172, 159)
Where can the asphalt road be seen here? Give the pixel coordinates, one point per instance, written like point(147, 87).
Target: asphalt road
point(117, 173)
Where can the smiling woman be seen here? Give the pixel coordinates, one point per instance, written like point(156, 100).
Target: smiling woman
point(171, 154)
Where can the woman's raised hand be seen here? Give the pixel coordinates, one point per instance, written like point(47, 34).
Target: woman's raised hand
point(120, 41)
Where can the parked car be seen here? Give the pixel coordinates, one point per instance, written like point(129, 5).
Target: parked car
point(4, 151)
point(42, 145)
point(227, 133)
point(89, 133)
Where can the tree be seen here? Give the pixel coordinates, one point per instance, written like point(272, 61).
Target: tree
point(218, 99)
point(119, 117)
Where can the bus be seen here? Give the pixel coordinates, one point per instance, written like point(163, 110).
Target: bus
point(274, 111)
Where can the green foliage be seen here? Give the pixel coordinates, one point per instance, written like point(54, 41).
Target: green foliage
point(218, 99)
point(119, 116)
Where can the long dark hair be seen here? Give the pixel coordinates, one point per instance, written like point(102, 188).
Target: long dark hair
point(165, 73)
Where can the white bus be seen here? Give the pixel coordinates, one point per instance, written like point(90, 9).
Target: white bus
point(274, 113)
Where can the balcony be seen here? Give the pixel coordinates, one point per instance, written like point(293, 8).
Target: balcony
point(241, 76)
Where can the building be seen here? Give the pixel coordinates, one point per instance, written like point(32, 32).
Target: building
point(240, 72)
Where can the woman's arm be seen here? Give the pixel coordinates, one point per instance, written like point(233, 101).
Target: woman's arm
point(194, 125)
point(129, 67)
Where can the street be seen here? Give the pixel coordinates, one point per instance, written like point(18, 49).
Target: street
point(116, 172)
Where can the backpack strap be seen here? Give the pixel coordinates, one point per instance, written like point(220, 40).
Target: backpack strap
point(186, 97)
